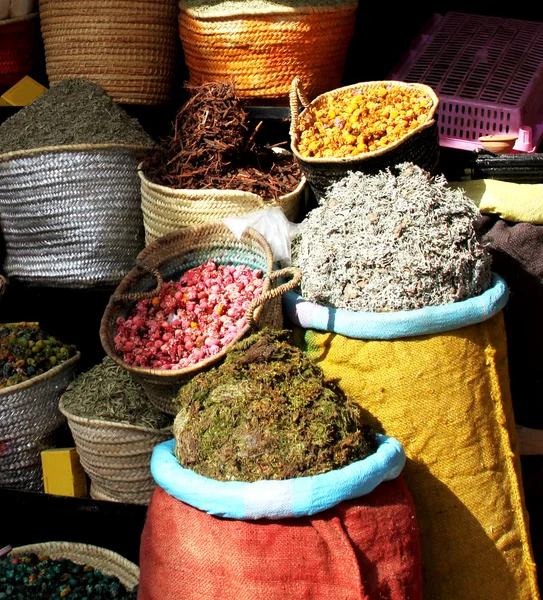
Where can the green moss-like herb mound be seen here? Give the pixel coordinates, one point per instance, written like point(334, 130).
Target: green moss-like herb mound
point(267, 413)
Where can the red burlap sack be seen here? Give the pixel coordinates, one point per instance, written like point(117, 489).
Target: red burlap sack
point(363, 549)
point(20, 41)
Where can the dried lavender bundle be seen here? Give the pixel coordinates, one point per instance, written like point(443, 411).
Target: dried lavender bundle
point(391, 242)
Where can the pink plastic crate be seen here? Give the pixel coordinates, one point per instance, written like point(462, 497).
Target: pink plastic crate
point(488, 74)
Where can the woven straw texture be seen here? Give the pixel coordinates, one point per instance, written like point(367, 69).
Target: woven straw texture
point(420, 146)
point(116, 457)
point(168, 258)
point(106, 561)
point(128, 47)
point(20, 39)
point(71, 217)
point(168, 209)
point(262, 51)
point(29, 417)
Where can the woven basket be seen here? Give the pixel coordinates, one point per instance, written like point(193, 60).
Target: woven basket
point(106, 561)
point(116, 457)
point(420, 146)
point(71, 215)
point(128, 47)
point(29, 417)
point(167, 258)
point(262, 45)
point(167, 209)
point(20, 40)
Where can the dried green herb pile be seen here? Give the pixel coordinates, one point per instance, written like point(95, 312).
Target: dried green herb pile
point(26, 351)
point(107, 391)
point(391, 242)
point(212, 147)
point(72, 111)
point(267, 413)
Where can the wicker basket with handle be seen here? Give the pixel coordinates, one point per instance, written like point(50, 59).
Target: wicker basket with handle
point(420, 146)
point(166, 259)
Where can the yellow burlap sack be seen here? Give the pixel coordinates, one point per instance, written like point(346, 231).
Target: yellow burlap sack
point(446, 398)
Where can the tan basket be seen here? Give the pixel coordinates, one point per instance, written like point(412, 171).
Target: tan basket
point(420, 146)
point(116, 457)
point(128, 47)
point(170, 256)
point(167, 209)
point(263, 45)
point(106, 561)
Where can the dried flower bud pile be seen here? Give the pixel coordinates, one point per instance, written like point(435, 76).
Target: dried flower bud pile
point(267, 412)
point(391, 242)
point(359, 121)
point(26, 351)
point(192, 319)
point(32, 577)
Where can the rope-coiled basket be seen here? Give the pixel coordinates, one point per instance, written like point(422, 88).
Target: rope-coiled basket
point(420, 146)
point(106, 561)
point(262, 45)
point(29, 417)
point(167, 258)
point(116, 456)
point(20, 40)
point(128, 47)
point(71, 215)
point(167, 209)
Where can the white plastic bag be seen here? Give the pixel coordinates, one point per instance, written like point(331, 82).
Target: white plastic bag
point(20, 8)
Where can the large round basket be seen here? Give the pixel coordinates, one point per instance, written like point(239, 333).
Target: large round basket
point(29, 417)
point(20, 40)
point(128, 47)
point(106, 561)
point(420, 146)
point(167, 209)
point(71, 215)
point(116, 456)
point(167, 259)
point(261, 45)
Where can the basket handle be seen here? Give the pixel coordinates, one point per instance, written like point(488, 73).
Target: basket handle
point(142, 295)
point(296, 92)
point(296, 277)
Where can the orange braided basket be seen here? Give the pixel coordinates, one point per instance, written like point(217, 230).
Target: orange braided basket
point(128, 47)
point(262, 46)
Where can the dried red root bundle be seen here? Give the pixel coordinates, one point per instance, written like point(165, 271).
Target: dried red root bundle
point(192, 319)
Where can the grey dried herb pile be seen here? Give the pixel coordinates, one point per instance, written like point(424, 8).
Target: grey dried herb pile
point(391, 242)
point(107, 391)
point(267, 413)
point(72, 111)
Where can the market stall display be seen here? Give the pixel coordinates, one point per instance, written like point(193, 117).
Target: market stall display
point(71, 214)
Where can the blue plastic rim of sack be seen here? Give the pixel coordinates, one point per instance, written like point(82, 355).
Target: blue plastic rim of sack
point(400, 324)
point(299, 497)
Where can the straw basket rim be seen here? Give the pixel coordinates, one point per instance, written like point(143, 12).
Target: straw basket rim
point(95, 421)
point(194, 193)
point(254, 8)
point(6, 156)
point(21, 19)
point(126, 571)
point(106, 326)
point(430, 121)
point(42, 377)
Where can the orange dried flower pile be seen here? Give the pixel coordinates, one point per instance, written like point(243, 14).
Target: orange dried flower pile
point(361, 121)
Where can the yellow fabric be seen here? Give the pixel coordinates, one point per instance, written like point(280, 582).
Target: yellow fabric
point(517, 202)
point(446, 398)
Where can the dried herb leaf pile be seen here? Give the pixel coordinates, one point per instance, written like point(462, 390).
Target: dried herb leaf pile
point(391, 242)
point(72, 111)
point(267, 413)
point(212, 147)
point(107, 391)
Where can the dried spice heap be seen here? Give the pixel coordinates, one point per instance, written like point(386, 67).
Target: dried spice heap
point(72, 111)
point(391, 242)
point(107, 391)
point(267, 413)
point(211, 147)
